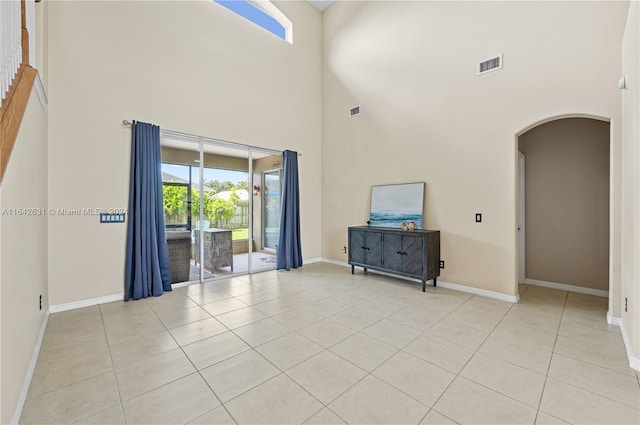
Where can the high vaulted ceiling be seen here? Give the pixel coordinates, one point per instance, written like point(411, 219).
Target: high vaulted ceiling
point(321, 5)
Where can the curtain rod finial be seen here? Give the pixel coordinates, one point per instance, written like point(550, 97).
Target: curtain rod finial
point(126, 123)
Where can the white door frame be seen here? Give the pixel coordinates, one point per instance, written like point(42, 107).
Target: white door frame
point(277, 171)
point(521, 219)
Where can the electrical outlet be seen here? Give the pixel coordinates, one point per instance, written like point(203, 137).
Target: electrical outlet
point(344, 249)
point(442, 264)
point(625, 304)
point(478, 218)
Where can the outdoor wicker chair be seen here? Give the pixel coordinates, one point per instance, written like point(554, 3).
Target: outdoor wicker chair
point(179, 244)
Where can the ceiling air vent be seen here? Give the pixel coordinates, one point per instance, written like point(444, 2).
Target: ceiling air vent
point(489, 65)
point(354, 111)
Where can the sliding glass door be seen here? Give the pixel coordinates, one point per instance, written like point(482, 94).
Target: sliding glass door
point(213, 196)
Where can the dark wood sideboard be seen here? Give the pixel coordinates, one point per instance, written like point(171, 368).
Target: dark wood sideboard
point(408, 253)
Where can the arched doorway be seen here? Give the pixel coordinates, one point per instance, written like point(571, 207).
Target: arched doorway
point(565, 205)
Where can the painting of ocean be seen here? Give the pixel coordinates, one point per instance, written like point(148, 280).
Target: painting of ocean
point(392, 205)
point(394, 220)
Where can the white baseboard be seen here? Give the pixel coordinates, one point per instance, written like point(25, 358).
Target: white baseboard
point(32, 367)
point(86, 303)
point(336, 262)
point(612, 320)
point(634, 362)
point(570, 288)
point(456, 287)
point(483, 292)
point(179, 285)
point(312, 260)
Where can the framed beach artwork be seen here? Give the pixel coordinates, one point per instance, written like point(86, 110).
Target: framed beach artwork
point(394, 204)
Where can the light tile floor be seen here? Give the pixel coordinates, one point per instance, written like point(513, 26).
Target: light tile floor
point(321, 346)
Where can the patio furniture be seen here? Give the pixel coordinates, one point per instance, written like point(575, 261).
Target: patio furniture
point(179, 244)
point(218, 248)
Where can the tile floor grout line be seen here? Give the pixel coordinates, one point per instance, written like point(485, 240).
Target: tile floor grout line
point(336, 343)
point(594, 393)
point(399, 389)
point(281, 372)
point(251, 348)
point(596, 366)
point(113, 366)
point(308, 279)
point(587, 362)
point(218, 398)
point(439, 413)
point(603, 368)
point(367, 373)
point(555, 341)
point(198, 371)
point(395, 354)
point(477, 350)
point(192, 364)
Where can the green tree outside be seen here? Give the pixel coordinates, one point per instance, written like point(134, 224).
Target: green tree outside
point(221, 210)
point(217, 186)
point(216, 210)
point(175, 204)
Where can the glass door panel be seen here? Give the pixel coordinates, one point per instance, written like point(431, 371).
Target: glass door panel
point(266, 210)
point(177, 195)
point(271, 212)
point(225, 220)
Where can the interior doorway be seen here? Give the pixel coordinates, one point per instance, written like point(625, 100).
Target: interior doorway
point(564, 194)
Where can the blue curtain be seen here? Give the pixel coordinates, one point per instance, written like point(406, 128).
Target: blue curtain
point(147, 262)
point(289, 253)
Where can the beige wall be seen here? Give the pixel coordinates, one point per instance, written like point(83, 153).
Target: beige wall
point(426, 116)
point(630, 191)
point(567, 202)
point(193, 67)
point(24, 257)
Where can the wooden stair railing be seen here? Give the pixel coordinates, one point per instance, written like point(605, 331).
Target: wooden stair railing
point(15, 103)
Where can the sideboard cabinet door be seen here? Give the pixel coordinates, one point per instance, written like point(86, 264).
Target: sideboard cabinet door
point(392, 252)
point(413, 254)
point(365, 248)
point(404, 253)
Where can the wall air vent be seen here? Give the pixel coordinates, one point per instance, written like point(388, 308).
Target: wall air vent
point(354, 111)
point(488, 65)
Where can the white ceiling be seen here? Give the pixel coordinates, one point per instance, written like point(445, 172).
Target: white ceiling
point(320, 4)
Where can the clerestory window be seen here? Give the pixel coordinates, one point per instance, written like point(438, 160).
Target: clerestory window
point(264, 14)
